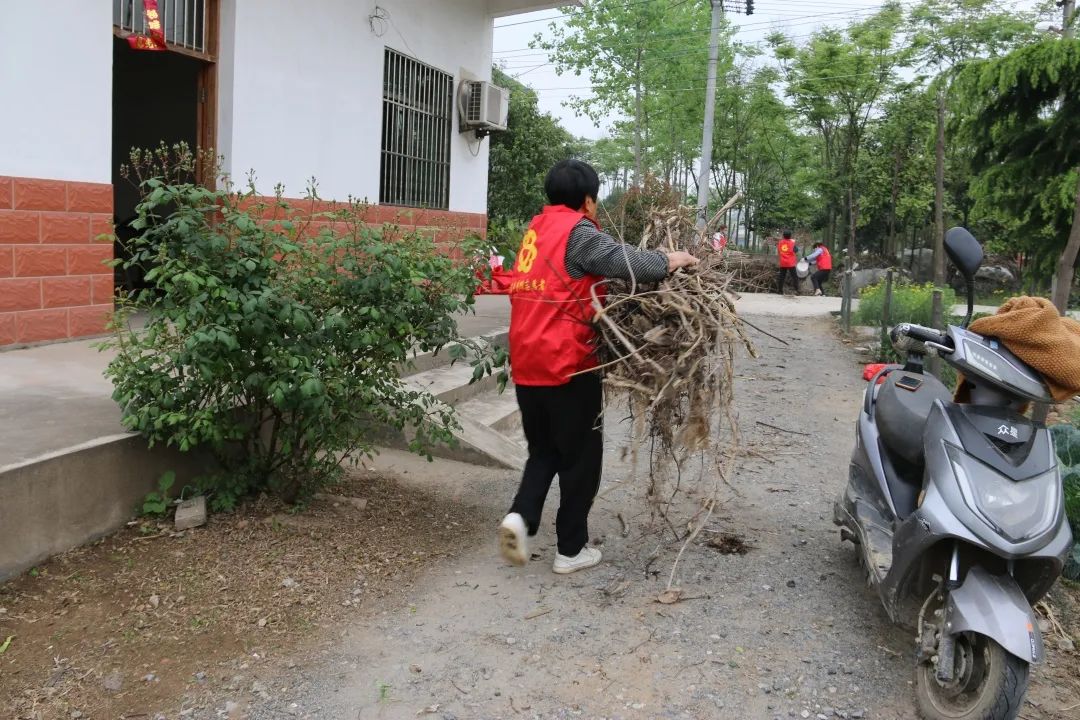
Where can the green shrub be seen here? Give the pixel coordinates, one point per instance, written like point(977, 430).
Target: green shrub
point(910, 303)
point(504, 235)
point(1067, 443)
point(277, 344)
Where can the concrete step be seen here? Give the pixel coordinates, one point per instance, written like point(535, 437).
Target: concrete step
point(451, 383)
point(499, 411)
point(422, 362)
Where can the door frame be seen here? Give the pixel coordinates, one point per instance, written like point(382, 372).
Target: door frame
point(206, 107)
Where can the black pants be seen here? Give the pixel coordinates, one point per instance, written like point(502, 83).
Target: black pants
point(820, 278)
point(563, 428)
point(782, 276)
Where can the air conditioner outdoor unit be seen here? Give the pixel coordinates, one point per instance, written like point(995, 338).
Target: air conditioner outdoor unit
point(483, 107)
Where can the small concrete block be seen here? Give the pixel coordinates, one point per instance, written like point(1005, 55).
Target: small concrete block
point(191, 513)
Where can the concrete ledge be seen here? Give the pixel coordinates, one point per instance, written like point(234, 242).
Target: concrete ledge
point(474, 443)
point(429, 361)
point(54, 502)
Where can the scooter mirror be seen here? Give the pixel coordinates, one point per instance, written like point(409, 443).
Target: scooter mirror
point(964, 251)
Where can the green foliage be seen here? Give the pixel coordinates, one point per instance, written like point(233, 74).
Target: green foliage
point(640, 57)
point(276, 345)
point(1067, 442)
point(157, 502)
point(521, 157)
point(1023, 123)
point(910, 303)
point(836, 82)
point(504, 235)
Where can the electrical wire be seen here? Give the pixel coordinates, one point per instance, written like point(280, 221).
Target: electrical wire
point(656, 37)
point(785, 5)
point(514, 63)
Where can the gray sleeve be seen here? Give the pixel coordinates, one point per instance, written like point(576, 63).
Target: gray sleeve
point(592, 252)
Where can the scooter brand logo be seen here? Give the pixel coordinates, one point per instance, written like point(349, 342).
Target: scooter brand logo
point(1034, 645)
point(1008, 430)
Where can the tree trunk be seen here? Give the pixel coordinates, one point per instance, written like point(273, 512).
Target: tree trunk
point(890, 246)
point(637, 119)
point(853, 217)
point(1066, 263)
point(939, 195)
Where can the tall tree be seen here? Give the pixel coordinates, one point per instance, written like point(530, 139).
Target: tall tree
point(837, 82)
point(945, 35)
point(645, 61)
point(1024, 124)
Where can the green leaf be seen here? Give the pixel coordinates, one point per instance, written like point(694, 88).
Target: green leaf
point(166, 481)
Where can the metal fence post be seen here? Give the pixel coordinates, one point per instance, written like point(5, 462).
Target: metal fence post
point(936, 322)
point(886, 311)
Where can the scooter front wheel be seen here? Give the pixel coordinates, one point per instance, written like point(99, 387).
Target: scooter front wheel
point(988, 683)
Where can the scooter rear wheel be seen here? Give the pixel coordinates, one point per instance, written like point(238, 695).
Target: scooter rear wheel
point(988, 684)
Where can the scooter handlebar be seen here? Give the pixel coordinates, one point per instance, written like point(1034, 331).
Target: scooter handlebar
point(908, 337)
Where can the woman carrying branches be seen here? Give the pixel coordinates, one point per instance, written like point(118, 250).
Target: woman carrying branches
point(564, 258)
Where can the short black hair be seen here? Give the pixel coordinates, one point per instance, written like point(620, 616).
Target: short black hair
point(819, 244)
point(570, 182)
point(787, 234)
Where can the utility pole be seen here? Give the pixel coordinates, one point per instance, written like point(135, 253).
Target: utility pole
point(1068, 8)
point(710, 111)
point(937, 312)
point(744, 6)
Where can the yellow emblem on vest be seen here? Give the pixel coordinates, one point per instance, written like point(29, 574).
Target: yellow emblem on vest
point(527, 254)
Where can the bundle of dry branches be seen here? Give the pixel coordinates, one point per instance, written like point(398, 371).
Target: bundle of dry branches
point(750, 273)
point(670, 348)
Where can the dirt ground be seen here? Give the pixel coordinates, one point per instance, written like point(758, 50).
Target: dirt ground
point(149, 623)
point(404, 610)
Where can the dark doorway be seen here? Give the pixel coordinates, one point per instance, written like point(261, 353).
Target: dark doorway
point(155, 99)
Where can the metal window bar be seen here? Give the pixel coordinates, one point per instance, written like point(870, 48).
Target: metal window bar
point(183, 21)
point(414, 168)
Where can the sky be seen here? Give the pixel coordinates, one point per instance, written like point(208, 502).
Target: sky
point(797, 19)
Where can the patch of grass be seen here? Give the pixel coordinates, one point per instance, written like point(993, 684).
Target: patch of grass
point(910, 303)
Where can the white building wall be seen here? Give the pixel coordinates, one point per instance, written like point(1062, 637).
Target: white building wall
point(306, 89)
point(56, 90)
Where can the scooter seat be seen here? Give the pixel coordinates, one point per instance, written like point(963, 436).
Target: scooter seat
point(901, 413)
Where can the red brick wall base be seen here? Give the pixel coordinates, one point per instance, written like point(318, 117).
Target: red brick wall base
point(54, 284)
point(445, 226)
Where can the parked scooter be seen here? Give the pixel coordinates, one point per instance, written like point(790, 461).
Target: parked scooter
point(958, 511)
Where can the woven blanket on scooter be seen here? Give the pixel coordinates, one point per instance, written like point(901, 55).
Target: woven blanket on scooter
point(1036, 333)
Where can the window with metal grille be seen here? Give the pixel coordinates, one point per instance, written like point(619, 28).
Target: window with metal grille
point(416, 127)
point(183, 21)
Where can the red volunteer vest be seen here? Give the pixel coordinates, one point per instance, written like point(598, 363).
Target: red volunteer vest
point(551, 334)
point(824, 260)
point(786, 249)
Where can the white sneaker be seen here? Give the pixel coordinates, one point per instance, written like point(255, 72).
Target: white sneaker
point(587, 558)
point(818, 292)
point(513, 539)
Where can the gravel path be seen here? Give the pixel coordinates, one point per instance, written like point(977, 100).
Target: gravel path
point(788, 629)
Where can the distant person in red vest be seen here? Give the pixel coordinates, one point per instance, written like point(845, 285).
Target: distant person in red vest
point(562, 258)
point(719, 239)
point(788, 257)
point(823, 258)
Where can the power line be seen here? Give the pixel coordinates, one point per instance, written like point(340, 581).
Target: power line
point(702, 87)
point(530, 65)
point(810, 20)
point(527, 60)
point(806, 6)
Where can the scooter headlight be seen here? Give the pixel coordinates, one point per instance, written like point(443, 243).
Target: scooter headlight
point(1019, 510)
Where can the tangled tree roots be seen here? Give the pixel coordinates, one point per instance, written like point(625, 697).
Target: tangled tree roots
point(669, 348)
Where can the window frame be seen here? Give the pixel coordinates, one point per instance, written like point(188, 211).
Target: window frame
point(416, 134)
